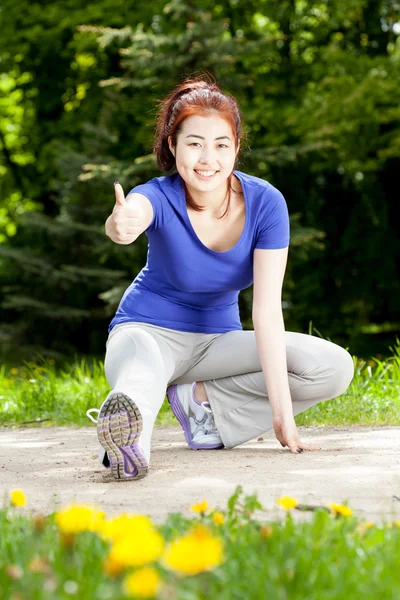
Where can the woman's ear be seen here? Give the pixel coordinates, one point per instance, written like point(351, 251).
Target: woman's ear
point(171, 147)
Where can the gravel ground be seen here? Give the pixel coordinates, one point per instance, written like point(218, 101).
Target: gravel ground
point(58, 465)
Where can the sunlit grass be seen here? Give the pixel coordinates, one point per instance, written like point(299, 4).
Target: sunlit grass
point(373, 397)
point(234, 552)
point(43, 392)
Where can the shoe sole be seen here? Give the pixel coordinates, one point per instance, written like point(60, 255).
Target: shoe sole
point(180, 414)
point(119, 426)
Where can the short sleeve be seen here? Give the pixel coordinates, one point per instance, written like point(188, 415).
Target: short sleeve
point(273, 230)
point(158, 201)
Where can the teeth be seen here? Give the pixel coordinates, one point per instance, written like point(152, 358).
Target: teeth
point(206, 173)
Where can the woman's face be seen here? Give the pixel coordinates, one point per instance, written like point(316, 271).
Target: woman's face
point(205, 153)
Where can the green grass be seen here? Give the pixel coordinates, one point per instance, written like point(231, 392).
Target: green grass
point(322, 556)
point(61, 396)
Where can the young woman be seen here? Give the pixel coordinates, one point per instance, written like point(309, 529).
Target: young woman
point(212, 231)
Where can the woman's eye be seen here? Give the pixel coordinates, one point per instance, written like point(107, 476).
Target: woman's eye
point(197, 144)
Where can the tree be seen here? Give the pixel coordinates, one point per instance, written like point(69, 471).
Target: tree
point(317, 84)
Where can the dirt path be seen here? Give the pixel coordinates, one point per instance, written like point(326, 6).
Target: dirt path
point(55, 466)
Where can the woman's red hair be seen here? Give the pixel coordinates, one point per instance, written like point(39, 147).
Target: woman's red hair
point(195, 96)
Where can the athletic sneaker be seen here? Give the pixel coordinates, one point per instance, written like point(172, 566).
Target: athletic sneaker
point(119, 425)
point(196, 419)
point(101, 454)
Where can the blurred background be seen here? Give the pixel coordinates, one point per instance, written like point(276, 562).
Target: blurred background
point(318, 84)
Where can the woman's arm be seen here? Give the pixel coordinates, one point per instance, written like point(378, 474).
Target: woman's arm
point(270, 336)
point(269, 328)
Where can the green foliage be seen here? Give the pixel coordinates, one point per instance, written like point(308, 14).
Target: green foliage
point(324, 556)
point(42, 391)
point(318, 85)
point(373, 397)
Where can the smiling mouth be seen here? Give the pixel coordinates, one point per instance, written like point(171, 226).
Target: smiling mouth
point(205, 174)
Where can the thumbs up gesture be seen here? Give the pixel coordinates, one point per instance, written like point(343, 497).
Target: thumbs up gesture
point(126, 221)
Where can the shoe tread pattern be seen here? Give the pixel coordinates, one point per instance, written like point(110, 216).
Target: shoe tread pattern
point(119, 426)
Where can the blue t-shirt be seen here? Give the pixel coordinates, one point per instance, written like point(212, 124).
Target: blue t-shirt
point(187, 286)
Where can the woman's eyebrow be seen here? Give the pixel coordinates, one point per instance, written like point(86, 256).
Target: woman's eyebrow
point(221, 137)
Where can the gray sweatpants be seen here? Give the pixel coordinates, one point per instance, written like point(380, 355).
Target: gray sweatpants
point(143, 359)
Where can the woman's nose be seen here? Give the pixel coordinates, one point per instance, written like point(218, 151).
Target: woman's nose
point(207, 155)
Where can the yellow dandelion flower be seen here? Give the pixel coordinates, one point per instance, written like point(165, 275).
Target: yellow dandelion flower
point(137, 550)
point(200, 507)
point(111, 566)
point(125, 525)
point(76, 518)
point(143, 583)
point(18, 498)
point(218, 518)
point(362, 528)
point(14, 371)
point(396, 523)
point(194, 552)
point(341, 509)
point(287, 502)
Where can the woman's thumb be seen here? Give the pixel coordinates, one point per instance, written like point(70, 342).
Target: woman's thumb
point(119, 194)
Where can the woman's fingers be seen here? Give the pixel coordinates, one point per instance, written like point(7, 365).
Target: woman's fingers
point(293, 447)
point(296, 447)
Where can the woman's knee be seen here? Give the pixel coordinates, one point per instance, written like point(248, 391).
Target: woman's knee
point(132, 352)
point(335, 371)
point(343, 366)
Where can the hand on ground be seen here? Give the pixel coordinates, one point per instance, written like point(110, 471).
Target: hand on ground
point(287, 435)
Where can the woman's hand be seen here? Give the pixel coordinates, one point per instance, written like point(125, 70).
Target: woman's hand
point(125, 223)
point(286, 433)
